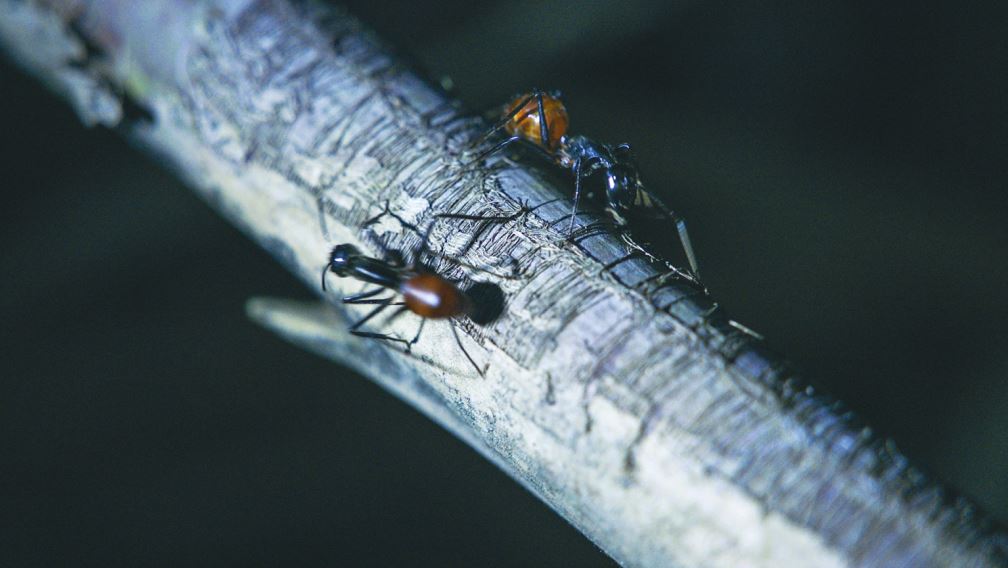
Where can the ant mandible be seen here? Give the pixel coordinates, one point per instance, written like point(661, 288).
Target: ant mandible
point(539, 120)
point(423, 292)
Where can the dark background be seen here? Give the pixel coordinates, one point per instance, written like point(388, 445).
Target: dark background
point(841, 165)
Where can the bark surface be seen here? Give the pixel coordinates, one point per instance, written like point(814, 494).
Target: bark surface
point(615, 390)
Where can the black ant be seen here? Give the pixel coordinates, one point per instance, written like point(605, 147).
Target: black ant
point(425, 293)
point(540, 120)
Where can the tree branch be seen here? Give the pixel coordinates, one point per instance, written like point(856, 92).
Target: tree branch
point(622, 396)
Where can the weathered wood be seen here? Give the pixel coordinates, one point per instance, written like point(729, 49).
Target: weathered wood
point(618, 393)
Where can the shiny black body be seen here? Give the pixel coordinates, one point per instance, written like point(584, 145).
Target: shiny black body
point(623, 192)
point(347, 260)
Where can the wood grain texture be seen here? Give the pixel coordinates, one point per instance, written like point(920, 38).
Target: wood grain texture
point(616, 391)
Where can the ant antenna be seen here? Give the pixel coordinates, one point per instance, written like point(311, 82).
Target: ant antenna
point(324, 270)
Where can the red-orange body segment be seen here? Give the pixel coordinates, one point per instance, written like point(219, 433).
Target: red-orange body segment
point(431, 296)
point(526, 122)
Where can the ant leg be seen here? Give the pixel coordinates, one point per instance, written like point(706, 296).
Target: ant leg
point(402, 310)
point(680, 224)
point(419, 331)
point(592, 230)
point(356, 298)
point(424, 238)
point(499, 218)
point(382, 336)
point(547, 202)
point(395, 257)
point(487, 221)
point(376, 301)
point(524, 208)
point(388, 211)
point(471, 267)
point(684, 239)
point(543, 150)
point(422, 247)
point(355, 328)
point(687, 246)
point(496, 148)
point(385, 303)
point(537, 94)
point(582, 168)
point(577, 196)
point(543, 127)
point(503, 121)
point(458, 340)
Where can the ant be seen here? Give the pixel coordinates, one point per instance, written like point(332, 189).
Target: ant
point(425, 293)
point(539, 120)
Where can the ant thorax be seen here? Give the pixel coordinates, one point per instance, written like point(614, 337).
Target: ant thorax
point(585, 149)
point(600, 166)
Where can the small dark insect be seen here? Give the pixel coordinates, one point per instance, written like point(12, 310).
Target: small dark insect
point(540, 121)
point(426, 294)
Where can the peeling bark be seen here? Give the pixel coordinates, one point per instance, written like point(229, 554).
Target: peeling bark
point(616, 391)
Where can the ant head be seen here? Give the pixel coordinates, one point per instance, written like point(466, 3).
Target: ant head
point(341, 259)
point(622, 185)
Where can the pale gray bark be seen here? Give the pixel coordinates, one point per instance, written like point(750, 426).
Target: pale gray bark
point(626, 401)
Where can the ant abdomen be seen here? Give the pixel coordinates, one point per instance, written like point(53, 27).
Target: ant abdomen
point(431, 296)
point(526, 122)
